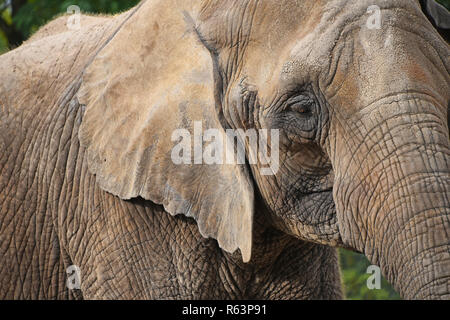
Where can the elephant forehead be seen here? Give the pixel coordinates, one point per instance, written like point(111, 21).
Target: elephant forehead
point(319, 41)
point(351, 60)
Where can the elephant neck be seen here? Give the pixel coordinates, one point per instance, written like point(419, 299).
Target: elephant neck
point(283, 267)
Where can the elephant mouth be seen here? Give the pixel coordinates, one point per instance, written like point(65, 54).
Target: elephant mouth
point(325, 190)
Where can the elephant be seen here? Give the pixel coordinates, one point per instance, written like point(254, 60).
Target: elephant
point(355, 93)
point(439, 16)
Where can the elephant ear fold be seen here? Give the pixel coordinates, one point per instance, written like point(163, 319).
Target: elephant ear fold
point(439, 16)
point(150, 82)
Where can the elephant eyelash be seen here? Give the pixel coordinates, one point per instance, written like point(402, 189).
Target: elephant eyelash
point(302, 105)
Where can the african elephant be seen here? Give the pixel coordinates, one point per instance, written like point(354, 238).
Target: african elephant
point(88, 178)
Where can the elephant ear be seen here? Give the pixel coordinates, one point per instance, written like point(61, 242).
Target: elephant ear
point(439, 16)
point(152, 78)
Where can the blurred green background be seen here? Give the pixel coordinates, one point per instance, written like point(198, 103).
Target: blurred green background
point(20, 18)
point(354, 277)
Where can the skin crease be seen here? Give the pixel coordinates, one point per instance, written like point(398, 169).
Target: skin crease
point(75, 135)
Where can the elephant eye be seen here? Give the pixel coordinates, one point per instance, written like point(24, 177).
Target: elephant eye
point(302, 105)
point(302, 109)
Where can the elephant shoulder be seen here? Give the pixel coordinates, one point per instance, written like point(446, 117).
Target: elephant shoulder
point(42, 68)
point(66, 23)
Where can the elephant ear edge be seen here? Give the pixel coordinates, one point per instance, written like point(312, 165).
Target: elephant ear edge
point(152, 78)
point(439, 17)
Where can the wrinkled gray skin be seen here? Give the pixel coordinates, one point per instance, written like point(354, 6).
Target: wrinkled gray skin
point(380, 141)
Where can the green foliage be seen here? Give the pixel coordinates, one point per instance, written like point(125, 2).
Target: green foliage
point(36, 13)
point(446, 3)
point(354, 277)
point(19, 21)
point(3, 43)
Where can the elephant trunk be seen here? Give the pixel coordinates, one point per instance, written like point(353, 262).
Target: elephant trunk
point(412, 237)
point(417, 260)
point(392, 195)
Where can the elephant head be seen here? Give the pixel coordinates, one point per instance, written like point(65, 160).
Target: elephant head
point(360, 109)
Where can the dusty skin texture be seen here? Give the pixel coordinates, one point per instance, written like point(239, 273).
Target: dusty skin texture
point(60, 25)
point(86, 119)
